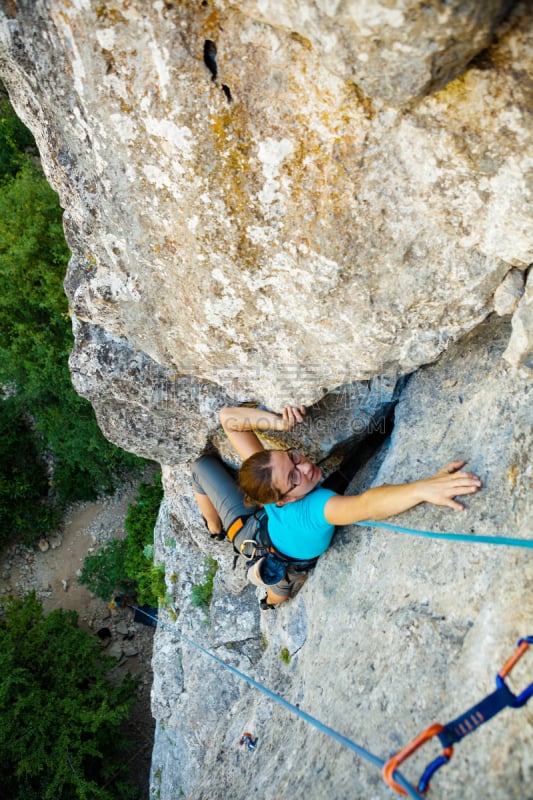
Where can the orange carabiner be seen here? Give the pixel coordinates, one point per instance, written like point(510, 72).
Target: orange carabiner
point(394, 762)
point(461, 726)
point(521, 648)
point(517, 655)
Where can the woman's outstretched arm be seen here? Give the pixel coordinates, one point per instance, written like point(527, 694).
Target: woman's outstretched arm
point(240, 422)
point(387, 501)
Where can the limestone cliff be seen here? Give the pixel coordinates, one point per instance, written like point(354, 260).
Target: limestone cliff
point(307, 202)
point(252, 219)
point(389, 635)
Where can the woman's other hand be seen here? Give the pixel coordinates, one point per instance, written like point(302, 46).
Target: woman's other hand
point(449, 482)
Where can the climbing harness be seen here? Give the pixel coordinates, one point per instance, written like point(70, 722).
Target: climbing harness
point(457, 537)
point(269, 564)
point(236, 526)
point(263, 546)
point(249, 740)
point(343, 740)
point(460, 727)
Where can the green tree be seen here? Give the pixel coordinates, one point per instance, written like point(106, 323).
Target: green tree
point(24, 506)
point(35, 331)
point(104, 573)
point(16, 141)
point(36, 339)
point(140, 524)
point(60, 737)
point(126, 566)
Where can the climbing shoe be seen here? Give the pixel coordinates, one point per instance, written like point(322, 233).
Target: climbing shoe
point(264, 606)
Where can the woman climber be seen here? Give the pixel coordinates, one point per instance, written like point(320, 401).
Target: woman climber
point(301, 513)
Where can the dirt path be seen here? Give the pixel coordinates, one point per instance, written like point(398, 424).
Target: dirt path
point(51, 568)
point(57, 567)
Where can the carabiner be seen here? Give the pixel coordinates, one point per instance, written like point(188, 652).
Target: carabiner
point(521, 647)
point(468, 722)
point(393, 763)
point(243, 548)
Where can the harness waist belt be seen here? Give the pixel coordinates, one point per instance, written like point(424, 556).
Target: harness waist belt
point(235, 527)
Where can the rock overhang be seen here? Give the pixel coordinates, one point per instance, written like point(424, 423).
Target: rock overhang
point(299, 234)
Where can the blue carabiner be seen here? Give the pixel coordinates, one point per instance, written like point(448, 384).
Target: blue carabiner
point(521, 647)
point(468, 722)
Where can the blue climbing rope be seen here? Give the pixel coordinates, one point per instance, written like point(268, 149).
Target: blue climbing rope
point(398, 779)
point(343, 740)
point(457, 537)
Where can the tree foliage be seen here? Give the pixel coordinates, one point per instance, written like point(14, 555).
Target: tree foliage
point(140, 524)
point(36, 336)
point(104, 573)
point(24, 502)
point(16, 141)
point(60, 736)
point(126, 566)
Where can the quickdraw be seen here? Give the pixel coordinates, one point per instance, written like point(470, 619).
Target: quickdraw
point(460, 727)
point(248, 740)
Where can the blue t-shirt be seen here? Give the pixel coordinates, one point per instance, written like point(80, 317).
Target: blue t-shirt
point(300, 529)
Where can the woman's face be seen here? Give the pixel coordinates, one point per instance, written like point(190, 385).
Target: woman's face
point(293, 474)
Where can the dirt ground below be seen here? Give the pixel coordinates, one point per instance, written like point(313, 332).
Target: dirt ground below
point(51, 568)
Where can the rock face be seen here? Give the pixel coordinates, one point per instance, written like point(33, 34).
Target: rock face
point(390, 634)
point(314, 202)
point(250, 211)
point(520, 349)
point(395, 51)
